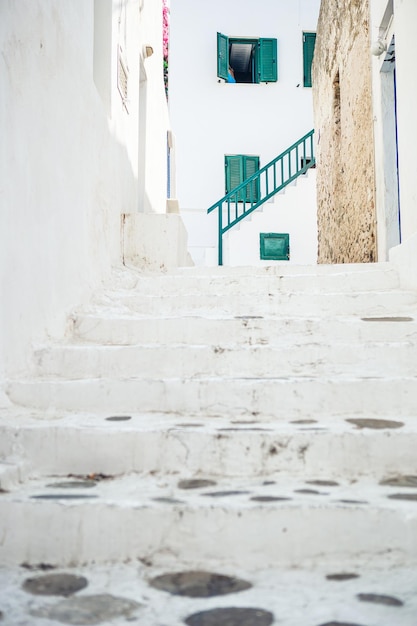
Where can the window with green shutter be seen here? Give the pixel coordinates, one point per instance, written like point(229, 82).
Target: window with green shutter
point(247, 60)
point(309, 41)
point(239, 167)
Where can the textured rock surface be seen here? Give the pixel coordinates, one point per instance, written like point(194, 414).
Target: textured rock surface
point(55, 584)
point(121, 594)
point(344, 133)
point(85, 610)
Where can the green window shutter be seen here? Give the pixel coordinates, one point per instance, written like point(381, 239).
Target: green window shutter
point(251, 165)
point(267, 60)
point(234, 172)
point(238, 168)
point(222, 56)
point(309, 41)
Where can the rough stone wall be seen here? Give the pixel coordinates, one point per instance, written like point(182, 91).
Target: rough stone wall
point(344, 133)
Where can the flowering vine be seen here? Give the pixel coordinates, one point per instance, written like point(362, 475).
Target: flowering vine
point(165, 40)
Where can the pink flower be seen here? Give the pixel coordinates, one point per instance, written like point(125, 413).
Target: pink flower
point(165, 28)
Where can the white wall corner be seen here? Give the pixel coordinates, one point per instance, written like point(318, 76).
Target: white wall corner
point(154, 242)
point(404, 259)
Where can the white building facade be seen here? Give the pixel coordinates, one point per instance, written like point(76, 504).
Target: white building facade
point(255, 118)
point(395, 122)
point(83, 159)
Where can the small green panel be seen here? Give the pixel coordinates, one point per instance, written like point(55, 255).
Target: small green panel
point(275, 246)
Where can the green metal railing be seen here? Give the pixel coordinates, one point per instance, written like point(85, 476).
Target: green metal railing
point(266, 182)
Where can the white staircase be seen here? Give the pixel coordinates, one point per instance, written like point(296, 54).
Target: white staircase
point(233, 420)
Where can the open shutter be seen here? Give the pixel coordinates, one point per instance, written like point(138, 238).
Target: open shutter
point(309, 41)
point(267, 60)
point(234, 172)
point(251, 165)
point(222, 56)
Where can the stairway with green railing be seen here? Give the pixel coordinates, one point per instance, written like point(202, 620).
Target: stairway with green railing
point(253, 192)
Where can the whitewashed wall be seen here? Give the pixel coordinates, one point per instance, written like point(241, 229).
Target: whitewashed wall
point(70, 158)
point(402, 26)
point(288, 210)
point(210, 118)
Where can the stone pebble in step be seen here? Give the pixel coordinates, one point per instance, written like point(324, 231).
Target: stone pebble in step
point(231, 617)
point(347, 501)
point(196, 483)
point(340, 624)
point(387, 319)
point(312, 492)
point(55, 584)
point(376, 424)
point(269, 498)
point(225, 494)
point(323, 483)
point(199, 584)
point(85, 610)
point(380, 599)
point(410, 497)
point(250, 429)
point(119, 418)
point(400, 481)
point(72, 484)
point(163, 500)
point(63, 496)
point(342, 576)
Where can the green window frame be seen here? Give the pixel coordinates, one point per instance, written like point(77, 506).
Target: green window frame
point(239, 167)
point(253, 60)
point(309, 42)
point(274, 246)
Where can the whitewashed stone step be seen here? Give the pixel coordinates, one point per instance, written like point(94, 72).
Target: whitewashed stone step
point(269, 282)
point(243, 366)
point(290, 594)
point(283, 269)
point(158, 444)
point(118, 329)
point(265, 398)
point(308, 359)
point(139, 517)
point(286, 304)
